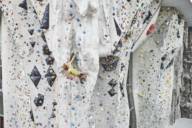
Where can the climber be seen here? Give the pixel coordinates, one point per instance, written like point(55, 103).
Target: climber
point(72, 72)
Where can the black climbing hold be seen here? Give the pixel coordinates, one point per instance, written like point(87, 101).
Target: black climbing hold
point(53, 115)
point(173, 51)
point(112, 83)
point(39, 100)
point(31, 31)
point(32, 44)
point(43, 37)
point(122, 66)
point(179, 19)
point(54, 103)
point(23, 4)
point(51, 76)
point(31, 115)
point(134, 19)
point(112, 92)
point(45, 20)
point(162, 66)
point(170, 63)
point(50, 60)
point(109, 63)
point(35, 76)
point(128, 35)
point(46, 50)
point(117, 47)
point(178, 34)
point(117, 28)
point(164, 57)
point(121, 89)
point(147, 17)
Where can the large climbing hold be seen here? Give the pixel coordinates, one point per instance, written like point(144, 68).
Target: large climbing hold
point(45, 20)
point(23, 4)
point(35, 76)
point(109, 63)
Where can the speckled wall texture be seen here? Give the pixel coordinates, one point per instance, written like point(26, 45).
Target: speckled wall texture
point(91, 63)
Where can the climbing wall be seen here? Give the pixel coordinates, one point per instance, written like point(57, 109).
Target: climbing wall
point(110, 104)
point(157, 68)
point(186, 92)
point(29, 73)
point(65, 63)
point(34, 52)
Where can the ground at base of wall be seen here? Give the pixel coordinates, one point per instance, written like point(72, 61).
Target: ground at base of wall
point(183, 123)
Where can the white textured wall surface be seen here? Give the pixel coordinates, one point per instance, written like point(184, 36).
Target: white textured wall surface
point(184, 6)
point(156, 83)
point(113, 48)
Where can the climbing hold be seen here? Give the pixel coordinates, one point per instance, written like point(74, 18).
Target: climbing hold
point(50, 60)
point(117, 28)
point(35, 76)
point(39, 100)
point(43, 37)
point(23, 4)
point(112, 92)
point(117, 47)
point(45, 20)
point(109, 63)
point(32, 44)
point(170, 63)
point(46, 50)
point(147, 17)
point(31, 115)
point(51, 76)
point(112, 83)
point(31, 31)
point(151, 29)
point(178, 34)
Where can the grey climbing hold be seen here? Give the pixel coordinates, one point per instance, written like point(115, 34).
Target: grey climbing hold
point(149, 15)
point(31, 31)
point(112, 92)
point(109, 63)
point(31, 115)
point(32, 44)
point(23, 4)
point(51, 76)
point(50, 60)
point(45, 20)
point(46, 50)
point(35, 76)
point(117, 28)
point(39, 100)
point(112, 83)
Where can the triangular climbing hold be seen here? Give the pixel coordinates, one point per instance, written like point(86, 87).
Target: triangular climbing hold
point(117, 28)
point(23, 4)
point(45, 20)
